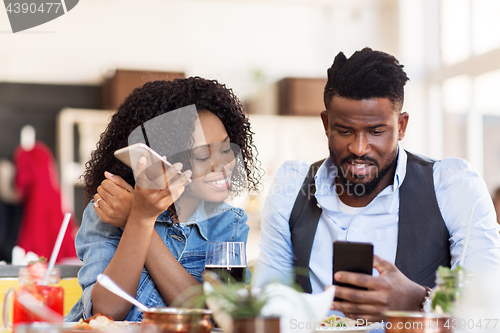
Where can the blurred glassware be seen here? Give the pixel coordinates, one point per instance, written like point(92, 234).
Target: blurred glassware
point(33, 300)
point(167, 320)
point(479, 304)
point(39, 328)
point(415, 322)
point(227, 259)
point(449, 284)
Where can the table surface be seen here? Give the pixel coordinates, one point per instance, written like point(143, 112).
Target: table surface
point(13, 270)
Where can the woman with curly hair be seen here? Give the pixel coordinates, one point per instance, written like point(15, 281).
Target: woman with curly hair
point(152, 242)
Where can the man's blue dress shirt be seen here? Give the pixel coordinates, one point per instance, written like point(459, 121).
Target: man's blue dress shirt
point(458, 187)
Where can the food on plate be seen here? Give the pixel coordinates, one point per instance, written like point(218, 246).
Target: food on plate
point(338, 321)
point(97, 322)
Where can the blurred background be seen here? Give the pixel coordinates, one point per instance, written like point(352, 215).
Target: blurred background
point(65, 78)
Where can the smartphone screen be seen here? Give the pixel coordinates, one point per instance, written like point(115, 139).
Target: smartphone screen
point(156, 165)
point(131, 154)
point(352, 257)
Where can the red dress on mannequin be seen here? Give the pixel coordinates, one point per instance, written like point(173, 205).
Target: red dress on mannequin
point(38, 183)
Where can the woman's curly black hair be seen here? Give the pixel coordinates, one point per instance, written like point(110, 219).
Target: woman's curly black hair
point(157, 98)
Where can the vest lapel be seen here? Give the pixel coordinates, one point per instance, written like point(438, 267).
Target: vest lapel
point(303, 223)
point(423, 238)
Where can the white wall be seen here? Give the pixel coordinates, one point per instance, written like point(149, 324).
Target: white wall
point(225, 40)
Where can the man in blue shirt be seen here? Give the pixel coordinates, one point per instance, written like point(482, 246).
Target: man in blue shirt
point(414, 210)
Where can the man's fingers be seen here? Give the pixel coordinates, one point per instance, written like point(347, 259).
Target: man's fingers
point(373, 321)
point(361, 280)
point(118, 181)
point(359, 296)
point(382, 265)
point(357, 309)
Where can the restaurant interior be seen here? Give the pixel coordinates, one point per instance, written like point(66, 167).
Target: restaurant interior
point(62, 81)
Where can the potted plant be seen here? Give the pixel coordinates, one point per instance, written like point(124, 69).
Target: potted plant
point(236, 308)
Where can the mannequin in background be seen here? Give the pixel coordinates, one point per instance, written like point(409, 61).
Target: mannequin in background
point(10, 210)
point(38, 185)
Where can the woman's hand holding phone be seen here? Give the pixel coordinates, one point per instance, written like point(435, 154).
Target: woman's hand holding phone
point(149, 202)
point(115, 197)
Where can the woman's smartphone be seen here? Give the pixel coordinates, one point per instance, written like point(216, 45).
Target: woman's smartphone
point(352, 257)
point(155, 165)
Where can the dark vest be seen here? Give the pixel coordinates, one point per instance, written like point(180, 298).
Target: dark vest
point(423, 239)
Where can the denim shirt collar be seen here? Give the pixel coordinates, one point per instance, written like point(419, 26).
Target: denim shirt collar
point(200, 216)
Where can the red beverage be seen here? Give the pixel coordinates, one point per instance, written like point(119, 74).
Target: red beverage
point(229, 274)
point(50, 295)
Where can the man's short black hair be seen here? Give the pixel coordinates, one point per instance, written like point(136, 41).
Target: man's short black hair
point(366, 74)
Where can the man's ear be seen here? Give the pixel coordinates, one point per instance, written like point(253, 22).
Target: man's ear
point(324, 118)
point(402, 124)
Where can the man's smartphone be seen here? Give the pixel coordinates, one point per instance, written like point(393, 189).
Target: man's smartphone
point(352, 257)
point(155, 165)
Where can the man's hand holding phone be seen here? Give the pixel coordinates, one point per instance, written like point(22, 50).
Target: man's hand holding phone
point(391, 290)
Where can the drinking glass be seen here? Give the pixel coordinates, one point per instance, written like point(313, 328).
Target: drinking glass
point(49, 296)
point(227, 260)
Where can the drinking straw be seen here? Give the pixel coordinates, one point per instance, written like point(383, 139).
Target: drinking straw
point(57, 247)
point(467, 236)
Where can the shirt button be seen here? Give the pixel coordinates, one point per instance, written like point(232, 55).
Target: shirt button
point(353, 229)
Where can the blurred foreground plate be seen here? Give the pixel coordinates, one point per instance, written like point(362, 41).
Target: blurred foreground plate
point(127, 326)
point(358, 329)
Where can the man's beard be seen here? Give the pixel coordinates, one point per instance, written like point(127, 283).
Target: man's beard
point(372, 185)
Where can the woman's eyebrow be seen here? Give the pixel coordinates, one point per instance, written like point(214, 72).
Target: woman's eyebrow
point(203, 146)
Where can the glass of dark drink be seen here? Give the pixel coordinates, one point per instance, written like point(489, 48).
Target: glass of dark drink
point(228, 260)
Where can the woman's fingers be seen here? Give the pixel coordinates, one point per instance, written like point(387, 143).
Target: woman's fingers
point(167, 176)
point(97, 201)
point(174, 193)
point(101, 197)
point(141, 179)
point(118, 181)
point(183, 179)
point(156, 195)
point(157, 176)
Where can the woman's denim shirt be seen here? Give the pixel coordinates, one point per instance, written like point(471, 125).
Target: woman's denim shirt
point(96, 243)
